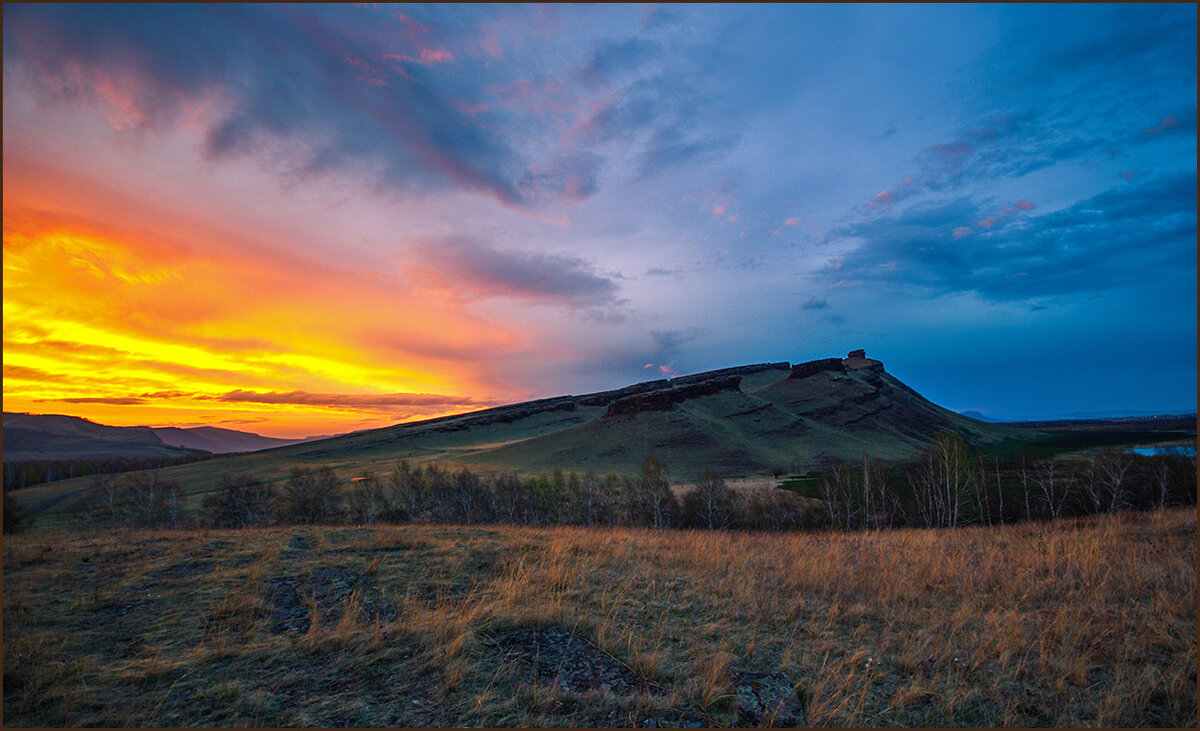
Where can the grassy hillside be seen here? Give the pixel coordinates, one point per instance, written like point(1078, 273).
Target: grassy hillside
point(756, 420)
point(1079, 623)
point(54, 436)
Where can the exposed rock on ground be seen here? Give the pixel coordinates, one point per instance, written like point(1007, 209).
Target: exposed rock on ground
point(768, 699)
point(555, 656)
point(329, 590)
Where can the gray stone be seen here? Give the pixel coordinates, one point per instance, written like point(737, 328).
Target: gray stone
point(768, 699)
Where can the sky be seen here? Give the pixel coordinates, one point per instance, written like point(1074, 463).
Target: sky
point(302, 220)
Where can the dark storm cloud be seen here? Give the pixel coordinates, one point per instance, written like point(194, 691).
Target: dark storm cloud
point(1126, 235)
point(350, 86)
point(478, 269)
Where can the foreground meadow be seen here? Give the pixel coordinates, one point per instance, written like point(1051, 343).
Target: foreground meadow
point(1074, 623)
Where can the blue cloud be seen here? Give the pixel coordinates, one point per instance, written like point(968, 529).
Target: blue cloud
point(1119, 238)
point(479, 269)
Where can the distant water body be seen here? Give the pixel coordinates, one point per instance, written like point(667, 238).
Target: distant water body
point(1187, 450)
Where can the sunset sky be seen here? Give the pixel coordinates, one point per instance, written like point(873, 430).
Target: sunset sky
point(300, 220)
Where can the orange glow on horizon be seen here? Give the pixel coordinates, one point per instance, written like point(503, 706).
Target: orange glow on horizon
point(128, 316)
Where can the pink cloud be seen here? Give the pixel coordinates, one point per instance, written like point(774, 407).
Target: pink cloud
point(1166, 124)
point(427, 56)
point(989, 222)
point(469, 109)
point(1127, 174)
point(950, 158)
point(793, 222)
point(540, 96)
point(894, 194)
point(576, 190)
point(491, 43)
point(962, 231)
point(718, 210)
point(1021, 205)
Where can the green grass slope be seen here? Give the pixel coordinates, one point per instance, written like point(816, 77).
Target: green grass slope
point(56, 436)
point(752, 420)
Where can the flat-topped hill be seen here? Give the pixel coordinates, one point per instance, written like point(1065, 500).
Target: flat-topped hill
point(743, 421)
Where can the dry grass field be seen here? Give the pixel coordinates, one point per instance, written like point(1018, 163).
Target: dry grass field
point(1087, 622)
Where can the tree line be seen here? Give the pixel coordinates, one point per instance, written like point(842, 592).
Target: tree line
point(950, 485)
point(436, 494)
point(27, 473)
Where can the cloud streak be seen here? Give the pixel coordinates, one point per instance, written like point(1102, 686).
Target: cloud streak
point(475, 269)
point(375, 402)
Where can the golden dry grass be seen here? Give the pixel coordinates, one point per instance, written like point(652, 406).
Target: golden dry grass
point(1079, 623)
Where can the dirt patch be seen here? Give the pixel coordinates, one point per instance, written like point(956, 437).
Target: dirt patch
point(300, 543)
point(556, 657)
point(328, 590)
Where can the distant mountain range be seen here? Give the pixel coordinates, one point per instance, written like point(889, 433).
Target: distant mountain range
point(1078, 416)
point(56, 436)
point(979, 417)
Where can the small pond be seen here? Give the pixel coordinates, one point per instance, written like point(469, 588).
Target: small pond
point(1183, 450)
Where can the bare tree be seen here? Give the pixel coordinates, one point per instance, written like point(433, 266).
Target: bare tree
point(710, 502)
point(510, 498)
point(1024, 476)
point(239, 502)
point(311, 495)
point(982, 505)
point(408, 498)
point(1162, 476)
point(841, 493)
point(1055, 485)
point(999, 490)
point(944, 481)
point(657, 492)
point(1114, 466)
point(467, 495)
point(1091, 483)
point(587, 498)
point(367, 501)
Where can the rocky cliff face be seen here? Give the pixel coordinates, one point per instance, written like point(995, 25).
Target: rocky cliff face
point(737, 371)
point(664, 399)
point(804, 370)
